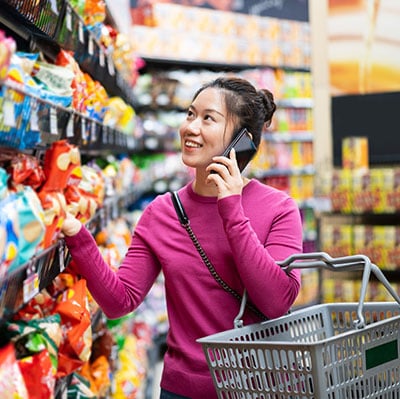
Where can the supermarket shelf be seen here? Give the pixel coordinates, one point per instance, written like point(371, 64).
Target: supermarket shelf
point(154, 63)
point(289, 137)
point(58, 26)
point(55, 122)
point(294, 171)
point(22, 284)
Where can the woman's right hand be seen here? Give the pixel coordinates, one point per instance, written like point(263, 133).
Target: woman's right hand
point(71, 225)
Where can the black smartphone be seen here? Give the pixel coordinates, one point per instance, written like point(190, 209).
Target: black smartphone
point(244, 147)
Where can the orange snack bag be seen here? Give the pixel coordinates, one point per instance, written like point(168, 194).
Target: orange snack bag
point(75, 348)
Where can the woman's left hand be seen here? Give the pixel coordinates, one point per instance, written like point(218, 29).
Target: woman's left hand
point(227, 175)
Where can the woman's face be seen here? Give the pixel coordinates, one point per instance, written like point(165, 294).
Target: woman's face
point(206, 130)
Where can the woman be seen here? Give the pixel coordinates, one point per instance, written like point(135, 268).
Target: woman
point(244, 227)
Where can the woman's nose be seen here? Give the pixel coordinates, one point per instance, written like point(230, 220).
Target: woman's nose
point(194, 126)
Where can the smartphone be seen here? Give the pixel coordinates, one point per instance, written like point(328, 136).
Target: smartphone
point(244, 147)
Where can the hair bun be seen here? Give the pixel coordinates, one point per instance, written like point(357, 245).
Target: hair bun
point(269, 105)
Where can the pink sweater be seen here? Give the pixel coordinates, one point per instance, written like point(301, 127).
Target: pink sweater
point(242, 236)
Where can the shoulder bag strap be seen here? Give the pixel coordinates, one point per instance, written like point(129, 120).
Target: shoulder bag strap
point(185, 222)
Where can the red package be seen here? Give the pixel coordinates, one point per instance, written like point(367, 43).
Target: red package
point(25, 169)
point(12, 383)
point(75, 348)
point(59, 161)
point(54, 207)
point(38, 375)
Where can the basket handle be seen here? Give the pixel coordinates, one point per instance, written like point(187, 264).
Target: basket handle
point(323, 260)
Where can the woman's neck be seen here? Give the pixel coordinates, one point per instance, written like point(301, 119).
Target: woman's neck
point(200, 186)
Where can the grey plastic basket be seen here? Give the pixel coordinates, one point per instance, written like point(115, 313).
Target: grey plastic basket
point(333, 351)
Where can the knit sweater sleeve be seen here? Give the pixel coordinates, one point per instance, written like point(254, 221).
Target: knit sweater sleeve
point(270, 288)
point(117, 292)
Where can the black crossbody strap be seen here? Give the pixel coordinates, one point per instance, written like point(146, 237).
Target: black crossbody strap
point(184, 220)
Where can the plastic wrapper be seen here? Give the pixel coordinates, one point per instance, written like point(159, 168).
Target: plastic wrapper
point(80, 388)
point(78, 85)
point(120, 115)
point(96, 100)
point(54, 78)
point(84, 192)
point(35, 335)
point(25, 169)
point(31, 228)
point(130, 375)
point(94, 12)
point(98, 374)
point(75, 348)
point(9, 232)
point(12, 385)
point(7, 49)
point(54, 207)
point(40, 306)
point(38, 375)
point(60, 159)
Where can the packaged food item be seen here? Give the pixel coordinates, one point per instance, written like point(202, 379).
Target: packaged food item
point(26, 170)
point(59, 161)
point(355, 153)
point(75, 348)
point(8, 233)
point(7, 49)
point(80, 388)
point(31, 228)
point(12, 384)
point(37, 342)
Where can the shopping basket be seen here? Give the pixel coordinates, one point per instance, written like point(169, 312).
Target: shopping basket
point(332, 351)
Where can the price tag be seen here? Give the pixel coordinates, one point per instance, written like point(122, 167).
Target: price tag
point(93, 132)
point(101, 58)
point(9, 113)
point(31, 286)
point(61, 258)
point(34, 119)
point(105, 135)
point(53, 121)
point(70, 127)
point(83, 129)
point(53, 5)
point(68, 19)
point(90, 45)
point(80, 32)
point(110, 66)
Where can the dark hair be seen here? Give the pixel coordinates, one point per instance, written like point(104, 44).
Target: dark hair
point(246, 106)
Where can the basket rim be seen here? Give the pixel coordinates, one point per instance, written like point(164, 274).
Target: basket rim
point(213, 338)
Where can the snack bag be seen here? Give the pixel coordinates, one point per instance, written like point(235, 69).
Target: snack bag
point(78, 85)
point(38, 375)
point(80, 388)
point(12, 385)
point(31, 228)
point(7, 49)
point(26, 170)
point(36, 335)
point(80, 194)
point(75, 348)
point(54, 208)
point(59, 161)
point(37, 341)
point(9, 233)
